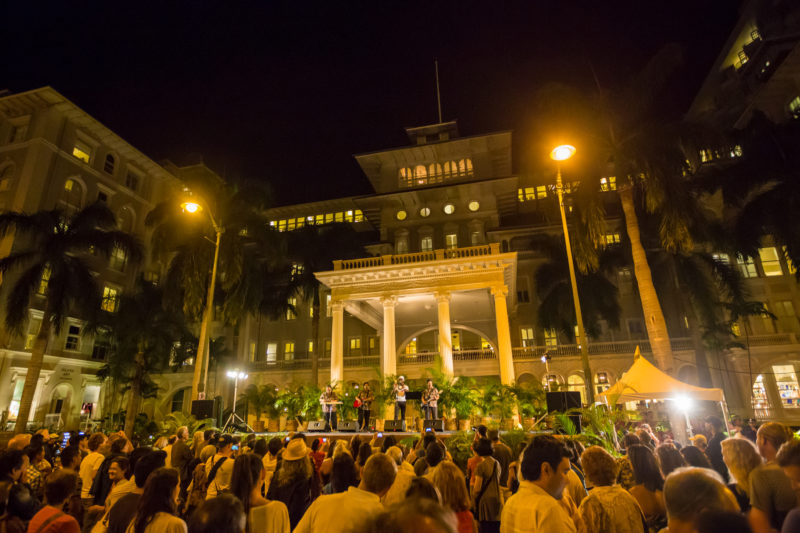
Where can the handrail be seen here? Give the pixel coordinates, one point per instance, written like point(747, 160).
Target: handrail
point(418, 257)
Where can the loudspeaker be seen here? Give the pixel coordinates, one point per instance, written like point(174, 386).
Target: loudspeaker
point(204, 409)
point(394, 425)
point(563, 401)
point(316, 425)
point(437, 424)
point(348, 425)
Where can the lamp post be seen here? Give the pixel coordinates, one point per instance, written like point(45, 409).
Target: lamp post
point(235, 375)
point(201, 364)
point(562, 153)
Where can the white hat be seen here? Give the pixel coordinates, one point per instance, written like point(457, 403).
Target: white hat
point(401, 378)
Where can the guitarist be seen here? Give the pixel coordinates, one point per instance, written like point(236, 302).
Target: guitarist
point(430, 397)
point(364, 400)
point(328, 400)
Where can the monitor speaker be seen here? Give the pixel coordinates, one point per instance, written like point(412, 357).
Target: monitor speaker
point(204, 409)
point(563, 401)
point(316, 426)
point(436, 424)
point(348, 425)
point(394, 425)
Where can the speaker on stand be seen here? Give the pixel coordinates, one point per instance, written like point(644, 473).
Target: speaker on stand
point(562, 402)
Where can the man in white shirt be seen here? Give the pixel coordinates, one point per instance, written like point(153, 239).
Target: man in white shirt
point(535, 507)
point(350, 510)
point(405, 473)
point(89, 467)
point(219, 468)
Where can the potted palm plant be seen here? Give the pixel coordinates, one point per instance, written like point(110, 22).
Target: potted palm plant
point(458, 396)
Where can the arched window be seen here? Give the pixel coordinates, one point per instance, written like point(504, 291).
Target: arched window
point(109, 164)
point(72, 195)
point(420, 175)
point(469, 166)
point(552, 382)
point(449, 169)
point(462, 168)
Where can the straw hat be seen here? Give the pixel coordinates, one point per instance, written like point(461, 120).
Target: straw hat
point(295, 450)
point(699, 439)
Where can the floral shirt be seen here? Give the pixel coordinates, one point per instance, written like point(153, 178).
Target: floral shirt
point(611, 510)
point(625, 476)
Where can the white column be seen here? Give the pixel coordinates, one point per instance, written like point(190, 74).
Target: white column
point(388, 346)
point(337, 342)
point(445, 336)
point(503, 335)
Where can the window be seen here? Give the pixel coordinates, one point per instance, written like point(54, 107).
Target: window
point(401, 215)
point(426, 244)
point(449, 209)
point(523, 296)
point(328, 305)
point(608, 184)
point(601, 383)
point(635, 326)
point(455, 339)
point(290, 311)
point(770, 261)
point(132, 181)
point(746, 266)
point(526, 194)
point(34, 323)
point(355, 345)
point(411, 347)
point(485, 344)
point(794, 107)
point(72, 195)
point(176, 405)
point(373, 345)
point(101, 347)
point(786, 379)
point(252, 354)
point(310, 347)
point(577, 335)
point(152, 277)
point(109, 164)
point(527, 338)
point(311, 310)
point(272, 352)
point(118, 259)
point(82, 151)
point(327, 347)
point(288, 351)
point(541, 192)
point(424, 212)
point(550, 338)
point(722, 258)
point(451, 241)
point(475, 238)
point(784, 308)
point(18, 132)
point(44, 281)
point(473, 206)
point(789, 265)
point(610, 238)
point(110, 299)
point(297, 269)
point(550, 382)
point(401, 245)
point(73, 341)
point(760, 400)
point(575, 384)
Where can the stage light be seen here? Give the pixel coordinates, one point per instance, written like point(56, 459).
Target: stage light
point(563, 152)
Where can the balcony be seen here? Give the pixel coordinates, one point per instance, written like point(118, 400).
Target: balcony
point(417, 257)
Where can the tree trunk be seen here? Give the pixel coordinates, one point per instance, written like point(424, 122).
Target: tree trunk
point(315, 336)
point(135, 395)
point(34, 369)
point(653, 315)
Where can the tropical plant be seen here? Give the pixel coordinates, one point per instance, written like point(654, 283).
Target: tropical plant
point(261, 399)
point(498, 399)
point(347, 395)
point(173, 421)
point(530, 399)
point(458, 393)
point(459, 445)
point(53, 257)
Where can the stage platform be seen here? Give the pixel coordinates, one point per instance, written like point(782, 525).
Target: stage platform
point(339, 435)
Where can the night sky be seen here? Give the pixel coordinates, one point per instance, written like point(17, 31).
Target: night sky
point(287, 92)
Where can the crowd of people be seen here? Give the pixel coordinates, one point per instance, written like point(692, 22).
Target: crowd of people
point(218, 483)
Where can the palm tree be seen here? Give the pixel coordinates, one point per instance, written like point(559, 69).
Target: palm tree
point(53, 255)
point(144, 336)
point(314, 249)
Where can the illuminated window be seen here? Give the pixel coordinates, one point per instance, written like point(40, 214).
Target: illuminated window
point(455, 339)
point(310, 347)
point(577, 335)
point(760, 400)
point(319, 219)
point(72, 195)
point(109, 164)
point(611, 238)
point(33, 330)
point(420, 175)
point(73, 340)
point(118, 260)
point(735, 329)
point(424, 212)
point(348, 216)
point(770, 261)
point(355, 345)
point(451, 241)
point(541, 192)
point(411, 347)
point(526, 194)
point(401, 215)
point(252, 351)
point(290, 311)
point(358, 216)
point(794, 107)
point(786, 379)
point(426, 244)
point(449, 209)
point(110, 299)
point(575, 383)
point(473, 206)
point(485, 344)
point(297, 270)
point(601, 383)
point(272, 352)
point(526, 335)
point(747, 266)
point(373, 345)
point(328, 305)
point(338, 217)
point(328, 218)
point(327, 346)
point(44, 281)
point(82, 151)
point(311, 311)
point(288, 351)
point(725, 259)
point(290, 225)
point(608, 184)
point(550, 338)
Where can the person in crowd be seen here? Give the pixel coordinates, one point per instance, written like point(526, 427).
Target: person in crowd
point(14, 494)
point(434, 455)
point(694, 456)
point(502, 453)
point(771, 493)
point(646, 437)
point(741, 458)
point(59, 488)
point(117, 445)
point(260, 448)
point(388, 442)
point(689, 492)
point(295, 483)
point(405, 474)
point(161, 443)
point(513, 468)
point(449, 479)
point(625, 476)
point(715, 521)
point(788, 458)
point(343, 476)
point(158, 505)
point(576, 484)
point(355, 506)
point(535, 507)
point(270, 460)
point(669, 458)
point(122, 512)
point(716, 427)
point(71, 461)
point(33, 476)
point(365, 399)
point(223, 514)
point(649, 484)
point(317, 454)
point(700, 442)
point(363, 455)
point(208, 447)
point(90, 465)
point(198, 442)
point(219, 468)
point(246, 484)
point(428, 438)
point(81, 442)
point(486, 496)
point(168, 448)
point(413, 515)
point(181, 453)
point(355, 446)
point(19, 442)
point(421, 487)
point(334, 451)
point(608, 508)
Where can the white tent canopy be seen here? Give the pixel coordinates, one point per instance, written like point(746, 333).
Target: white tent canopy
point(643, 381)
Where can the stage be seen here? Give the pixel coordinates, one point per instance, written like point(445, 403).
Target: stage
point(347, 435)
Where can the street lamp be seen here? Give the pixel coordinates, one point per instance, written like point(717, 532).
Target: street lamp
point(192, 206)
point(559, 154)
point(235, 375)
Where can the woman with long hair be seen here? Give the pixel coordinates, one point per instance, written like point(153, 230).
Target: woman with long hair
point(694, 456)
point(246, 483)
point(158, 504)
point(295, 483)
point(449, 479)
point(669, 458)
point(741, 457)
point(648, 488)
point(343, 476)
point(198, 442)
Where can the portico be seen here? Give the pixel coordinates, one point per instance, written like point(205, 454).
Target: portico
point(424, 288)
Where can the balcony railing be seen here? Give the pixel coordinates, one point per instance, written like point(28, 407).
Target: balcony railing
point(417, 257)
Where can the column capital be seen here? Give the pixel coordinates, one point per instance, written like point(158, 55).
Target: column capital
point(337, 305)
point(389, 301)
point(499, 291)
point(442, 296)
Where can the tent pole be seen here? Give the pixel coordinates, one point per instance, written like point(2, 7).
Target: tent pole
point(688, 424)
point(725, 416)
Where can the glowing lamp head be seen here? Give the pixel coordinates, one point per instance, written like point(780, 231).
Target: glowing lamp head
point(562, 153)
point(684, 403)
point(190, 207)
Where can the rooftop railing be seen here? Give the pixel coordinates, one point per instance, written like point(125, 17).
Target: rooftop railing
point(418, 257)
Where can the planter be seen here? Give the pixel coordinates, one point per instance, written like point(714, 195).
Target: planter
point(528, 423)
point(379, 424)
point(451, 424)
point(507, 424)
point(420, 423)
point(291, 424)
point(273, 425)
point(258, 426)
point(464, 425)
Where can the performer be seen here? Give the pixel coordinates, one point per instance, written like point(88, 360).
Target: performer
point(430, 398)
point(328, 400)
point(365, 398)
point(399, 391)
